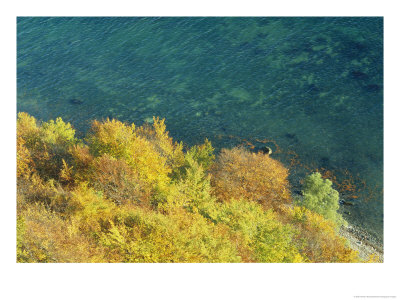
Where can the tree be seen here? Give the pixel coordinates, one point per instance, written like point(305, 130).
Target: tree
point(238, 173)
point(320, 197)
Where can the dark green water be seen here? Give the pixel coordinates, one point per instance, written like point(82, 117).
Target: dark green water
point(314, 85)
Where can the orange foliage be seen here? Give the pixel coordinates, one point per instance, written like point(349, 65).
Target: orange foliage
point(253, 176)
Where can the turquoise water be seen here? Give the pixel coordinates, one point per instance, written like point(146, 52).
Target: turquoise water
point(313, 85)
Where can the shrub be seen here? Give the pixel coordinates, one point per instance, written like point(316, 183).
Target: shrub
point(202, 154)
point(140, 236)
point(120, 141)
point(24, 160)
point(263, 237)
point(92, 212)
point(49, 193)
point(47, 144)
point(81, 161)
point(58, 133)
point(43, 236)
point(118, 181)
point(27, 128)
point(317, 237)
point(254, 176)
point(192, 191)
point(164, 145)
point(320, 197)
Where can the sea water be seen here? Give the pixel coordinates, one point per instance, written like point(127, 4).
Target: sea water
point(313, 86)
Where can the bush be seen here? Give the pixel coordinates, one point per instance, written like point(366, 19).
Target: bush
point(263, 237)
point(43, 236)
point(140, 236)
point(164, 145)
point(317, 237)
point(120, 141)
point(192, 191)
point(24, 160)
point(118, 181)
point(320, 197)
point(202, 154)
point(238, 173)
point(47, 144)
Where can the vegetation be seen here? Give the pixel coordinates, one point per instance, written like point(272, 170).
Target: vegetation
point(252, 176)
point(131, 194)
point(320, 197)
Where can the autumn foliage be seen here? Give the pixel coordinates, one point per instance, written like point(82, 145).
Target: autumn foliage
point(132, 194)
point(257, 177)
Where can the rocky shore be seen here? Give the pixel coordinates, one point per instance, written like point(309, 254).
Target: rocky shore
point(362, 242)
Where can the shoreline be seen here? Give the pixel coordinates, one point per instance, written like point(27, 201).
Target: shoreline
point(361, 241)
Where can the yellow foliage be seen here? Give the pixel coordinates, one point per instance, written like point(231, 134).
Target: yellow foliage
point(49, 193)
point(373, 258)
point(26, 126)
point(182, 237)
point(164, 145)
point(66, 173)
point(318, 236)
point(92, 211)
point(120, 141)
point(24, 160)
point(57, 133)
point(81, 162)
point(47, 144)
point(42, 236)
point(263, 237)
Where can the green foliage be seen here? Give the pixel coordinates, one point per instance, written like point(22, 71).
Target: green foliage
point(192, 191)
point(264, 238)
point(202, 154)
point(320, 197)
point(140, 236)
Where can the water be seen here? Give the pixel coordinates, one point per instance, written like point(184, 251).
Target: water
point(313, 85)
